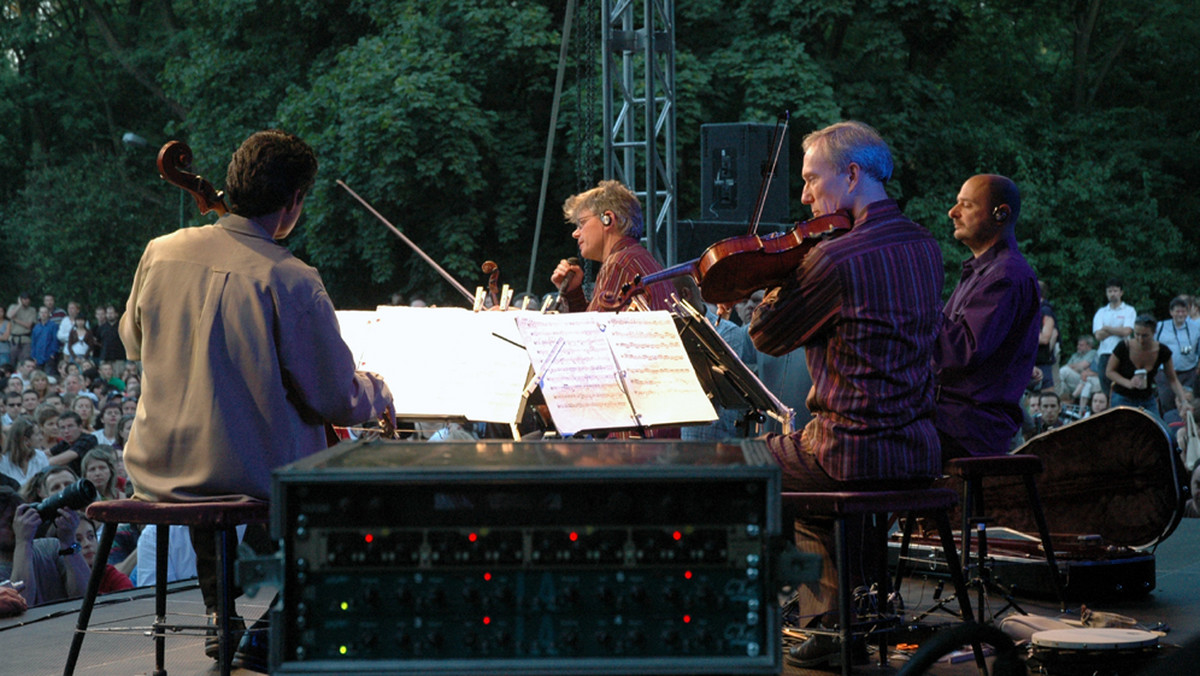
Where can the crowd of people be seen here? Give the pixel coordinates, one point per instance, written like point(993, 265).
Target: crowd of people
point(69, 406)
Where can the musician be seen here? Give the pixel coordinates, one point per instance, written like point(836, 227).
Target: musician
point(865, 306)
point(608, 224)
point(242, 357)
point(989, 338)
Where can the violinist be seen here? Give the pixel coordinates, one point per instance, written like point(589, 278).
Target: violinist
point(866, 308)
point(608, 224)
point(242, 357)
point(989, 339)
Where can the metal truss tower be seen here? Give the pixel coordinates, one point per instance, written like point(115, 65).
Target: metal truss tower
point(638, 71)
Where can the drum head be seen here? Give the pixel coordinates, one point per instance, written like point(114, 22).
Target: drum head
point(1103, 638)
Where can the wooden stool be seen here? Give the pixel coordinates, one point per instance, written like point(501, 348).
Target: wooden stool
point(934, 503)
point(973, 471)
point(223, 517)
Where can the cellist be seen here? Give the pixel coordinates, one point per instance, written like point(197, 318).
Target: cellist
point(242, 358)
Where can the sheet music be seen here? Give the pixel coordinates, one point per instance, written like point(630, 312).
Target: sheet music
point(616, 371)
point(442, 362)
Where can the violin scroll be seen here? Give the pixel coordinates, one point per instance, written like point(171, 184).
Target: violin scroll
point(174, 162)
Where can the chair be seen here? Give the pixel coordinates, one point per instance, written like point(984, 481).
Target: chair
point(973, 471)
point(933, 503)
point(222, 517)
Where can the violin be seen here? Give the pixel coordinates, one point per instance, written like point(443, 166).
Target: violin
point(174, 161)
point(736, 267)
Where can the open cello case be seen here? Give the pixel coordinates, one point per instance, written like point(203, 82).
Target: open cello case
point(1112, 489)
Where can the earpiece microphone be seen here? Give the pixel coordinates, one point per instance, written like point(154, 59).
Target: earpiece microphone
point(605, 219)
point(1000, 214)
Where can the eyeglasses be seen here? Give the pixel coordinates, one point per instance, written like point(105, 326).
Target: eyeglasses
point(583, 219)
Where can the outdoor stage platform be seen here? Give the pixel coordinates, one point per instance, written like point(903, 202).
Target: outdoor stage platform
point(35, 644)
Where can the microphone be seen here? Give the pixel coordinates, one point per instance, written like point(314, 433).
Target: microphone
point(566, 283)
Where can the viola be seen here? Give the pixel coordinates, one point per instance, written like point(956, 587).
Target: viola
point(174, 162)
point(736, 267)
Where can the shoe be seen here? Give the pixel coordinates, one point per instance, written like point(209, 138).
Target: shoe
point(822, 650)
point(253, 651)
point(212, 646)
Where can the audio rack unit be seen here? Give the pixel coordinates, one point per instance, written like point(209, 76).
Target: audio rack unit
point(640, 557)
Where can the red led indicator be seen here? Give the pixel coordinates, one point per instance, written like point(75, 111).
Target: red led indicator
point(687, 574)
point(677, 535)
point(487, 577)
point(574, 536)
point(687, 619)
point(472, 537)
point(369, 538)
point(487, 620)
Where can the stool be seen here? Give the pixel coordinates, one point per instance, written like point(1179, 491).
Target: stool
point(932, 503)
point(223, 517)
point(973, 471)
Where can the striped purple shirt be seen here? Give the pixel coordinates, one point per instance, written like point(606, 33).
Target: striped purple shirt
point(867, 308)
point(624, 263)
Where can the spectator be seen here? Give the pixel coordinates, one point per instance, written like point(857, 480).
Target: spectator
point(46, 417)
point(39, 382)
point(5, 337)
point(81, 343)
point(29, 403)
point(1098, 403)
point(111, 347)
point(73, 444)
point(1133, 365)
point(99, 467)
point(49, 567)
point(21, 458)
point(66, 324)
point(123, 426)
point(129, 406)
point(24, 371)
point(55, 400)
point(85, 537)
point(106, 429)
point(44, 340)
point(12, 408)
point(1182, 334)
point(1050, 407)
point(86, 408)
point(1047, 349)
point(11, 601)
point(22, 316)
point(1110, 324)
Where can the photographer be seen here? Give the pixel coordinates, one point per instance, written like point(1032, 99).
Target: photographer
point(1182, 334)
point(51, 568)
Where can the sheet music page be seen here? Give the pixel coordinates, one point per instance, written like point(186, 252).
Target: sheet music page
point(662, 382)
point(602, 354)
point(581, 387)
point(442, 362)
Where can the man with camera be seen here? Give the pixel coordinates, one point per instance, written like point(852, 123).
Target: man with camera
point(51, 568)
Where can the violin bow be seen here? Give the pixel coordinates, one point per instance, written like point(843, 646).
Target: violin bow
point(411, 244)
point(776, 140)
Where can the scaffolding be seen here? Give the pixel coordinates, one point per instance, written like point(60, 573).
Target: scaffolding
point(638, 74)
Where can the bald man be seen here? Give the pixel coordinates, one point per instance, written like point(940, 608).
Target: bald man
point(985, 352)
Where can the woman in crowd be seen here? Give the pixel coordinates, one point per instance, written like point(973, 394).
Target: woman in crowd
point(99, 466)
point(1097, 403)
point(81, 343)
point(86, 409)
point(1133, 365)
point(39, 382)
point(21, 458)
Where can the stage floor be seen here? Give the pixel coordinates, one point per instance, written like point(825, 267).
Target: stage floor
point(36, 643)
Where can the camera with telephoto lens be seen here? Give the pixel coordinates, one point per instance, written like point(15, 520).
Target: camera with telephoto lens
point(76, 496)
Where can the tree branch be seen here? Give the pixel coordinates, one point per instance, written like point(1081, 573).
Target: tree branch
point(127, 64)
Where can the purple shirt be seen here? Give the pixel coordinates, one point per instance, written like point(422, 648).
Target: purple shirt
point(984, 355)
point(866, 308)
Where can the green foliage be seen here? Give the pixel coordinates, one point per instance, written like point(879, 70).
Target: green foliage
point(436, 111)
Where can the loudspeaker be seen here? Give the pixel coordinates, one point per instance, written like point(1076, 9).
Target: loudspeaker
point(735, 158)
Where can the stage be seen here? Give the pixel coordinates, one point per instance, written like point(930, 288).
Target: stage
point(36, 643)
